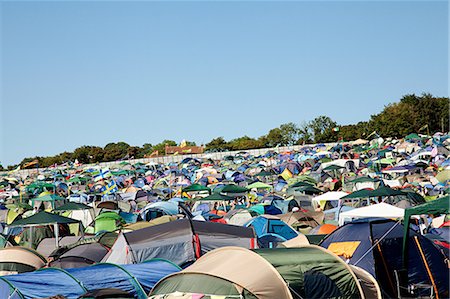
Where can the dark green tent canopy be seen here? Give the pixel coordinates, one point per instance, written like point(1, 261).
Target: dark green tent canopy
point(265, 173)
point(196, 188)
point(308, 189)
point(312, 272)
point(333, 167)
point(302, 184)
point(217, 196)
point(72, 206)
point(233, 189)
point(382, 191)
point(364, 179)
point(42, 218)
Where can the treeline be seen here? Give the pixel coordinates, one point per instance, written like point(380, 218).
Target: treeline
point(413, 114)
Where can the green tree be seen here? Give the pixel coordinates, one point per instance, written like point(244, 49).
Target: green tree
point(322, 129)
point(115, 151)
point(217, 144)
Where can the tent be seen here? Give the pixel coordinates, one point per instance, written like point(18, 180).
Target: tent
point(282, 273)
point(239, 216)
point(136, 280)
point(382, 210)
point(18, 259)
point(42, 219)
point(438, 206)
point(78, 211)
point(79, 256)
point(302, 219)
point(271, 230)
point(158, 209)
point(181, 241)
point(108, 221)
point(331, 196)
point(216, 274)
point(50, 201)
point(375, 245)
point(313, 272)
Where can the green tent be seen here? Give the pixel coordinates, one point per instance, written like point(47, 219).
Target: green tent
point(108, 221)
point(313, 272)
point(265, 173)
point(301, 184)
point(42, 219)
point(196, 188)
point(53, 199)
point(333, 168)
point(412, 136)
point(382, 191)
point(308, 189)
point(120, 172)
point(73, 206)
point(233, 189)
point(364, 179)
point(259, 185)
point(437, 206)
point(40, 187)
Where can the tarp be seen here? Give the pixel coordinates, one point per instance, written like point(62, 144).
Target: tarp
point(42, 218)
point(382, 210)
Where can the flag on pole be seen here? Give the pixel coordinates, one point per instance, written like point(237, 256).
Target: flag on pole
point(103, 174)
point(336, 129)
point(110, 188)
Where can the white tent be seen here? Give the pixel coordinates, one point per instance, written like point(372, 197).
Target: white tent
point(329, 196)
point(382, 210)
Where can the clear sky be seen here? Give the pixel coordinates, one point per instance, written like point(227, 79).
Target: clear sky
point(90, 73)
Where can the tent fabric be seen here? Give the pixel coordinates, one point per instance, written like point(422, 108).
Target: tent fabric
point(382, 191)
point(255, 275)
point(271, 225)
point(438, 206)
point(369, 285)
point(299, 241)
point(12, 259)
point(45, 283)
point(302, 218)
point(202, 284)
point(382, 210)
point(72, 206)
point(80, 256)
point(379, 253)
point(42, 218)
point(180, 241)
point(313, 272)
point(48, 245)
point(136, 280)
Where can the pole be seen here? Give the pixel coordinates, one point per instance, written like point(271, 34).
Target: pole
point(56, 228)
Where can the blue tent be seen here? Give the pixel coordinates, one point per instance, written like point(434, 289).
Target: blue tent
point(137, 279)
point(378, 245)
point(42, 283)
point(264, 225)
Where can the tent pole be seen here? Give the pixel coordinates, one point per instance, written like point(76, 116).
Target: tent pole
point(56, 227)
point(31, 237)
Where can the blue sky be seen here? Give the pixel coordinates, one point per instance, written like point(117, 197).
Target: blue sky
point(90, 73)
